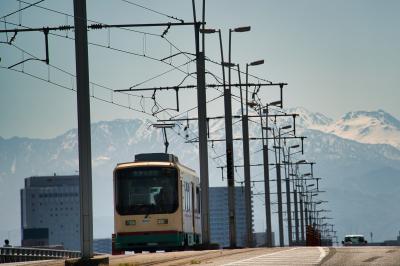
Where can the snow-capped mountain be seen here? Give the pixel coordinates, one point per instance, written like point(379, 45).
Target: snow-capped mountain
point(308, 119)
point(376, 127)
point(341, 162)
point(373, 127)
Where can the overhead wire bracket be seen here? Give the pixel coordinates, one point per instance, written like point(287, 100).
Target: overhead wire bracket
point(166, 31)
point(46, 41)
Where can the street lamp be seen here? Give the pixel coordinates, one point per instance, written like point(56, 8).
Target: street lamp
point(246, 158)
point(228, 130)
point(228, 135)
point(288, 199)
point(279, 180)
point(246, 152)
point(254, 63)
point(229, 144)
point(208, 31)
point(241, 29)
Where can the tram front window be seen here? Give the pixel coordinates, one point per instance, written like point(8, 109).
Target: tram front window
point(146, 190)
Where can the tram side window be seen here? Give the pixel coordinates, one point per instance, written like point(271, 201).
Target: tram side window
point(184, 197)
point(198, 206)
point(187, 196)
point(190, 196)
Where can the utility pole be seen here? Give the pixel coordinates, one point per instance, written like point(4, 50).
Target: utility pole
point(306, 211)
point(302, 219)
point(279, 188)
point(279, 194)
point(288, 174)
point(288, 203)
point(246, 160)
point(84, 140)
point(202, 116)
point(279, 183)
point(296, 216)
point(246, 156)
point(229, 155)
point(247, 185)
point(229, 144)
point(267, 192)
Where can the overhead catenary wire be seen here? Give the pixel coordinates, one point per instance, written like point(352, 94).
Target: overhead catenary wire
point(152, 10)
point(74, 76)
point(120, 50)
point(125, 51)
point(143, 55)
point(129, 52)
point(92, 96)
point(92, 44)
point(122, 28)
point(21, 9)
point(132, 30)
point(112, 102)
point(88, 20)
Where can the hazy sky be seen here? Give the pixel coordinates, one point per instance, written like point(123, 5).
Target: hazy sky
point(337, 56)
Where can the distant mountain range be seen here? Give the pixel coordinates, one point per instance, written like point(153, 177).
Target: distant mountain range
point(376, 127)
point(358, 157)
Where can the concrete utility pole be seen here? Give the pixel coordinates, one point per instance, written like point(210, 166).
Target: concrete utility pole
point(279, 194)
point(302, 218)
point(84, 140)
point(229, 143)
point(203, 148)
point(246, 162)
point(296, 216)
point(267, 192)
point(246, 155)
point(202, 116)
point(229, 155)
point(279, 185)
point(288, 202)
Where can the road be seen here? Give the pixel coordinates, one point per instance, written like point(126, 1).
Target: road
point(272, 256)
point(256, 256)
point(363, 256)
point(260, 256)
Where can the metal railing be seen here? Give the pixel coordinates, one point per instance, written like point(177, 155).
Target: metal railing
point(18, 254)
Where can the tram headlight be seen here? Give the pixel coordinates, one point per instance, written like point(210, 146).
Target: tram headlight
point(130, 222)
point(162, 221)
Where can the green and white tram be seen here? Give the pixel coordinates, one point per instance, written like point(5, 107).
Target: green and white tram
point(156, 205)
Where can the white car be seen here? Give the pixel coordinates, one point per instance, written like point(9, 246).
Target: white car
point(354, 240)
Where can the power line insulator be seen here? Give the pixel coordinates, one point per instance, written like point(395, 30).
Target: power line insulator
point(96, 26)
point(65, 27)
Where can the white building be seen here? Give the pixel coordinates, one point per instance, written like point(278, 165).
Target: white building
point(219, 220)
point(50, 211)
